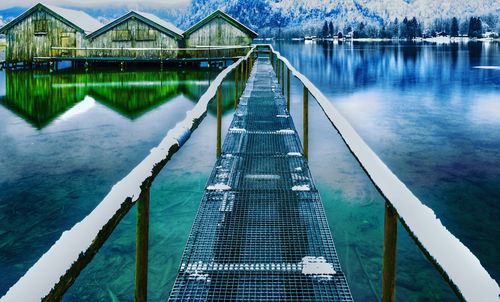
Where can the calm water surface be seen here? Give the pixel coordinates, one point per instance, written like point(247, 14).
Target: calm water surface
point(428, 113)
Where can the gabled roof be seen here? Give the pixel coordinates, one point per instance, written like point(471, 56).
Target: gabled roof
point(220, 14)
point(150, 19)
point(79, 20)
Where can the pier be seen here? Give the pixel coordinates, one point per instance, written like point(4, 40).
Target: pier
point(261, 233)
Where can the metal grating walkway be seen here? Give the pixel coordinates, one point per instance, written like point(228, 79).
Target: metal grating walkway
point(261, 233)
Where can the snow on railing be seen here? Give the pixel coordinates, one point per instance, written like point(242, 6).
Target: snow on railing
point(57, 268)
point(458, 265)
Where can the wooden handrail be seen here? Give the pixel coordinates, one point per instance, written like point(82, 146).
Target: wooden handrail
point(457, 264)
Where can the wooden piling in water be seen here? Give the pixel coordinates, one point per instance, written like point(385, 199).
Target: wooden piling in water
point(389, 266)
point(219, 121)
point(236, 97)
point(305, 118)
point(283, 78)
point(288, 90)
point(142, 242)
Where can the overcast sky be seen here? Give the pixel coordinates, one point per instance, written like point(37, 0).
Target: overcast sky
point(98, 3)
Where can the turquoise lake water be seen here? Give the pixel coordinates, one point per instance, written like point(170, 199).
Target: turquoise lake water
point(425, 109)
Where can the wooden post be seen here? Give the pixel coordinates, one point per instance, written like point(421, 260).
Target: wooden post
point(245, 70)
point(278, 70)
point(236, 88)
point(219, 121)
point(142, 241)
point(250, 64)
point(305, 114)
point(283, 78)
point(389, 266)
point(242, 78)
point(288, 90)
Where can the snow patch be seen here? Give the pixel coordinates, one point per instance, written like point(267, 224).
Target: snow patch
point(302, 188)
point(262, 176)
point(239, 130)
point(219, 187)
point(285, 131)
point(316, 266)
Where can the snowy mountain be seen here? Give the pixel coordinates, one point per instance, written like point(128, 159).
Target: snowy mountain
point(269, 17)
point(263, 15)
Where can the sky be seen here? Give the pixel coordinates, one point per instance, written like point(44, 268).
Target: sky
point(98, 3)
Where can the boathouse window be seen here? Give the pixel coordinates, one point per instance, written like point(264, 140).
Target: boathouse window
point(145, 34)
point(41, 26)
point(121, 35)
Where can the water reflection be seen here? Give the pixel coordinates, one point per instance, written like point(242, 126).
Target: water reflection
point(40, 97)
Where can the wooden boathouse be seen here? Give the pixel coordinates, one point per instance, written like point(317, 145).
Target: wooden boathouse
point(50, 34)
point(35, 32)
point(136, 35)
point(218, 30)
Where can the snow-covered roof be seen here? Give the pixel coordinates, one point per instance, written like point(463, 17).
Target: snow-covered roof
point(79, 18)
point(228, 18)
point(152, 20)
point(74, 18)
point(160, 22)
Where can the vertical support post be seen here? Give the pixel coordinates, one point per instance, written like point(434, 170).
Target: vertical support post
point(283, 78)
point(242, 78)
point(278, 70)
point(288, 90)
point(219, 121)
point(389, 268)
point(142, 241)
point(245, 70)
point(236, 87)
point(249, 67)
point(305, 126)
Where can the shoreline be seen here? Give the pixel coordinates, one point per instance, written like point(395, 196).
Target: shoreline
point(443, 40)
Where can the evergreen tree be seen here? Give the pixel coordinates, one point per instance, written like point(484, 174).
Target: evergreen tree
point(454, 27)
point(403, 29)
point(475, 28)
point(330, 29)
point(324, 33)
point(396, 28)
point(340, 35)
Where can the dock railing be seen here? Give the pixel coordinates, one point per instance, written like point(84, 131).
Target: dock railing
point(455, 262)
point(50, 277)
